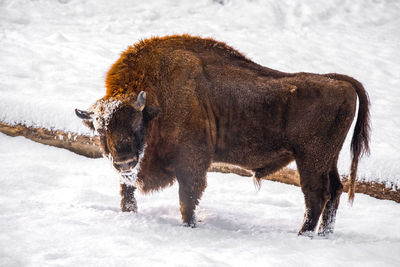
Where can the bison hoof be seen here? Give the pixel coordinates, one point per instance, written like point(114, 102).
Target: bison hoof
point(325, 233)
point(128, 207)
point(309, 234)
point(191, 225)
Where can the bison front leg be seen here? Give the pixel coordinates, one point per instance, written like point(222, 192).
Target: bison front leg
point(128, 201)
point(191, 187)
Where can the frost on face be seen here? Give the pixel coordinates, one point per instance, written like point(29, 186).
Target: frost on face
point(103, 111)
point(130, 177)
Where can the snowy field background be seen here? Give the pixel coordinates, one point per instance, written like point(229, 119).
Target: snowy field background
point(60, 209)
point(54, 54)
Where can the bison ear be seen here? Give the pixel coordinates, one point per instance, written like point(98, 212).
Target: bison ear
point(140, 102)
point(87, 117)
point(150, 112)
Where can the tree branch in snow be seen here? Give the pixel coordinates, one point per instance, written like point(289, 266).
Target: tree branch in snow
point(88, 146)
point(80, 144)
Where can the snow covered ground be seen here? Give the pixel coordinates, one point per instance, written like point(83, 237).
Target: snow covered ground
point(61, 209)
point(54, 54)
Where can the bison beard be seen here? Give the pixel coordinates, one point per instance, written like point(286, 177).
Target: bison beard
point(195, 101)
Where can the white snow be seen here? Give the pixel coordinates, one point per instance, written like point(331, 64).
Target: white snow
point(54, 54)
point(61, 209)
point(58, 208)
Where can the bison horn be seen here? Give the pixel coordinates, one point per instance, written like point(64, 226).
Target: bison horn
point(140, 101)
point(85, 115)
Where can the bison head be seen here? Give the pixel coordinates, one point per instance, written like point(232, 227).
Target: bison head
point(120, 123)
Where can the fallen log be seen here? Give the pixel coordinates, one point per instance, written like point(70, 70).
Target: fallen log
point(88, 146)
point(84, 145)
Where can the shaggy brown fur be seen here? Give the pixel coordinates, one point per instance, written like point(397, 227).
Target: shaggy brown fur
point(206, 103)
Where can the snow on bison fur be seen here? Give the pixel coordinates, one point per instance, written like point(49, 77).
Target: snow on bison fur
point(176, 104)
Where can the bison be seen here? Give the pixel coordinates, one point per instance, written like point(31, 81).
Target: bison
point(173, 105)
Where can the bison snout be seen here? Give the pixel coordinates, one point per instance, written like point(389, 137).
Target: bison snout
point(125, 165)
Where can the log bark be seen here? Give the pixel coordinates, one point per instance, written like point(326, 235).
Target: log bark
point(89, 146)
point(84, 145)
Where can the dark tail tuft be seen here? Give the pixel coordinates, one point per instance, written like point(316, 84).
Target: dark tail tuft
point(361, 134)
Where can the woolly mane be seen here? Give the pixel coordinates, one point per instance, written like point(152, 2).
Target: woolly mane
point(129, 71)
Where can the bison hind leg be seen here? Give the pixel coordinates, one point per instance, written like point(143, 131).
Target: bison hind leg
point(314, 184)
point(329, 214)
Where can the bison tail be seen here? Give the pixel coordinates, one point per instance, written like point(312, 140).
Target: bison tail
point(361, 134)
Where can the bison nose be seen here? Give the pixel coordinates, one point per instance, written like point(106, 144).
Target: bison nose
point(125, 165)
